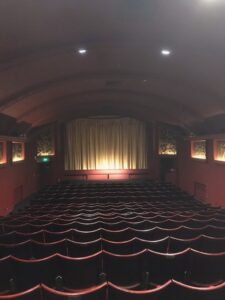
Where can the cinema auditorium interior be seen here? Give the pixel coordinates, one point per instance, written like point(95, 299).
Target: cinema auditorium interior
point(112, 149)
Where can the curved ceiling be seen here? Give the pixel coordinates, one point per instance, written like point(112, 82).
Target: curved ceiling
point(43, 78)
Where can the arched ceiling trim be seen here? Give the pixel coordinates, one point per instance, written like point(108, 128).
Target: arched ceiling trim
point(125, 108)
point(42, 86)
point(158, 101)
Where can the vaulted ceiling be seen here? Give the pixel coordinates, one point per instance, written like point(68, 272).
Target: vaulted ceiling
point(43, 78)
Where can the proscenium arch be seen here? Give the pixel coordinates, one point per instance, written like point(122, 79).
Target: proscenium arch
point(140, 96)
point(106, 107)
point(55, 82)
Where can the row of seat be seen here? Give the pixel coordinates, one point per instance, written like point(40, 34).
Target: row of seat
point(128, 214)
point(147, 267)
point(153, 185)
point(76, 211)
point(108, 218)
point(33, 249)
point(157, 207)
point(109, 291)
point(112, 191)
point(142, 225)
point(113, 198)
point(145, 202)
point(113, 235)
point(133, 205)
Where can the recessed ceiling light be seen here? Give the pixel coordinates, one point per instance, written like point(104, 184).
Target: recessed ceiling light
point(165, 52)
point(82, 51)
point(210, 1)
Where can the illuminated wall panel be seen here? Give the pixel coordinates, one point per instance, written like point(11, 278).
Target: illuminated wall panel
point(198, 149)
point(167, 141)
point(3, 155)
point(219, 150)
point(45, 142)
point(18, 151)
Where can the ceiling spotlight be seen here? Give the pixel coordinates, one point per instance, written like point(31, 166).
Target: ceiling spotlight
point(82, 51)
point(165, 52)
point(210, 1)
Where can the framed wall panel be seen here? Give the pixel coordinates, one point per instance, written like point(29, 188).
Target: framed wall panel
point(219, 150)
point(3, 153)
point(198, 149)
point(18, 151)
point(45, 142)
point(167, 141)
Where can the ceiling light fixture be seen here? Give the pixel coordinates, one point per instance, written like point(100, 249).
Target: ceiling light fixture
point(82, 51)
point(210, 1)
point(165, 52)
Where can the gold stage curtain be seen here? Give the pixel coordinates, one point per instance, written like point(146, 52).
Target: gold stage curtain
point(103, 144)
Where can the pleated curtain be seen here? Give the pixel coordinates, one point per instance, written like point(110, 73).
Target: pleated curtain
point(98, 144)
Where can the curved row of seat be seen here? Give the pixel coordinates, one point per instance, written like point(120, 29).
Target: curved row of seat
point(100, 217)
point(108, 219)
point(30, 249)
point(116, 192)
point(116, 199)
point(131, 216)
point(157, 206)
point(109, 291)
point(113, 235)
point(139, 203)
point(142, 225)
point(147, 268)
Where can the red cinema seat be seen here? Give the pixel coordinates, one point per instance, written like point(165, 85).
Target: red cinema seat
point(28, 273)
point(96, 293)
point(125, 270)
point(206, 268)
point(162, 267)
point(31, 294)
point(82, 249)
point(80, 273)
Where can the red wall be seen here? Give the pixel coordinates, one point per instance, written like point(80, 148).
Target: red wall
point(209, 173)
point(17, 180)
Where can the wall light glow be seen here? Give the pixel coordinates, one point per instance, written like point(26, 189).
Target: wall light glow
point(46, 154)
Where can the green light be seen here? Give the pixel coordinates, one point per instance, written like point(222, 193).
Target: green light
point(45, 159)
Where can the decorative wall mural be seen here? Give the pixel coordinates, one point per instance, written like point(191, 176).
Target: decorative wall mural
point(219, 150)
point(167, 140)
point(198, 149)
point(45, 142)
point(2, 152)
point(18, 151)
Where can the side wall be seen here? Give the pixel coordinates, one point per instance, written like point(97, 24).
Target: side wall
point(204, 179)
point(17, 180)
